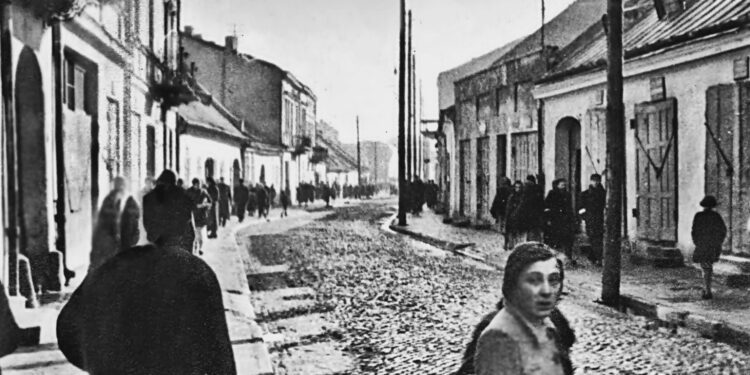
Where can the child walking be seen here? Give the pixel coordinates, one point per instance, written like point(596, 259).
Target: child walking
point(709, 232)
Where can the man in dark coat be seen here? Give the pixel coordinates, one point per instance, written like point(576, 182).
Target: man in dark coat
point(593, 202)
point(285, 200)
point(213, 212)
point(708, 233)
point(261, 197)
point(10, 334)
point(225, 202)
point(168, 214)
point(560, 220)
point(251, 201)
point(201, 204)
point(241, 195)
point(515, 227)
point(533, 209)
point(148, 310)
point(271, 196)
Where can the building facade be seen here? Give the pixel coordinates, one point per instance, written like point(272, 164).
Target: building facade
point(274, 106)
point(685, 96)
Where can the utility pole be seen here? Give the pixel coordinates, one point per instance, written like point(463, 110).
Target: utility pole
point(413, 97)
point(402, 118)
point(409, 132)
point(359, 159)
point(615, 157)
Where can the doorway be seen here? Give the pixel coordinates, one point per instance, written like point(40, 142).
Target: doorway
point(568, 155)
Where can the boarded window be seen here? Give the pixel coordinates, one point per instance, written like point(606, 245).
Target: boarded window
point(524, 157)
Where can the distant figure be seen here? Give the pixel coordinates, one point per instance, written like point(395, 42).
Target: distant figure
point(709, 232)
point(515, 219)
point(560, 227)
point(285, 201)
point(148, 310)
point(180, 183)
point(271, 196)
point(241, 196)
point(593, 202)
point(252, 201)
point(418, 195)
point(500, 203)
point(11, 334)
point(148, 185)
point(168, 214)
point(261, 197)
point(533, 209)
point(117, 226)
point(201, 205)
point(225, 202)
point(212, 225)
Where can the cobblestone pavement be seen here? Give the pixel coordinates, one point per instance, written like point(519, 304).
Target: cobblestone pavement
point(392, 306)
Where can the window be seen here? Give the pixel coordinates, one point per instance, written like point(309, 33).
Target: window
point(75, 85)
point(476, 108)
point(515, 97)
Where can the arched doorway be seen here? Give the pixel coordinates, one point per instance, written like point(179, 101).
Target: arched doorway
point(568, 155)
point(32, 166)
point(236, 172)
point(209, 168)
point(262, 177)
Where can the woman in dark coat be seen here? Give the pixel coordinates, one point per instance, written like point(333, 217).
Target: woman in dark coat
point(560, 220)
point(213, 211)
point(501, 201)
point(709, 232)
point(514, 227)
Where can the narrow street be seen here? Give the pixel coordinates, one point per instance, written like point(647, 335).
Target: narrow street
point(335, 293)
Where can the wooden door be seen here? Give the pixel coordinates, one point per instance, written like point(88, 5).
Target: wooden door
point(483, 176)
point(656, 172)
point(523, 155)
point(721, 119)
point(741, 216)
point(501, 160)
point(465, 175)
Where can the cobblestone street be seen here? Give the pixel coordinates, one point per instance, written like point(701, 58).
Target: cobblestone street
point(377, 302)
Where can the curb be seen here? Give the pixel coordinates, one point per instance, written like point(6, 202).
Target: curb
point(667, 316)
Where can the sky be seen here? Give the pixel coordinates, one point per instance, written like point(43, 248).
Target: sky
point(347, 50)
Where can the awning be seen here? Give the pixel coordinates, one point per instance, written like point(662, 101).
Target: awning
point(208, 117)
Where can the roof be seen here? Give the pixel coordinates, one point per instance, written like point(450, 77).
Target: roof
point(446, 95)
point(208, 117)
point(338, 159)
point(704, 18)
point(562, 29)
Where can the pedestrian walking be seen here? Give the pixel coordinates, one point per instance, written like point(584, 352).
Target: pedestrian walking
point(533, 209)
point(168, 214)
point(559, 231)
point(271, 196)
point(117, 225)
point(515, 227)
point(201, 206)
point(261, 195)
point(225, 202)
point(10, 333)
point(241, 196)
point(212, 224)
point(285, 201)
point(593, 202)
point(180, 183)
point(148, 310)
point(251, 201)
point(500, 203)
point(521, 338)
point(708, 232)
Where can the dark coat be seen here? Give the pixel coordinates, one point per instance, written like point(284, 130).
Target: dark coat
point(213, 211)
point(566, 337)
point(514, 216)
point(284, 198)
point(261, 196)
point(241, 195)
point(500, 202)
point(168, 217)
point(559, 217)
point(251, 201)
point(532, 207)
point(709, 232)
point(201, 205)
point(225, 198)
point(148, 310)
point(10, 336)
point(594, 200)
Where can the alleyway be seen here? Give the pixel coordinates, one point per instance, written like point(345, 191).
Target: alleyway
point(342, 295)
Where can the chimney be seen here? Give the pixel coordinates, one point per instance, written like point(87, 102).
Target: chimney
point(231, 43)
point(189, 30)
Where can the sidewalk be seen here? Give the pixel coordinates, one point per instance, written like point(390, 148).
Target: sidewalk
point(223, 255)
point(671, 295)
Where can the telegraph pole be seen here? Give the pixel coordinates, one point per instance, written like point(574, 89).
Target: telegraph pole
point(413, 98)
point(402, 118)
point(409, 132)
point(359, 159)
point(616, 157)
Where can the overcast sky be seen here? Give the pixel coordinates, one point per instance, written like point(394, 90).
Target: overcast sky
point(347, 50)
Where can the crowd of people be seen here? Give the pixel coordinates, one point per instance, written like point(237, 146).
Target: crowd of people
point(418, 193)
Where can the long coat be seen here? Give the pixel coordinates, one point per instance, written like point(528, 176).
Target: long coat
point(709, 232)
point(148, 310)
point(514, 216)
point(500, 202)
point(560, 218)
point(594, 200)
point(117, 227)
point(213, 211)
point(532, 207)
point(225, 198)
point(241, 196)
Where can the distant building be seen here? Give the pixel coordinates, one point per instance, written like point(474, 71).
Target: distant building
point(376, 158)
